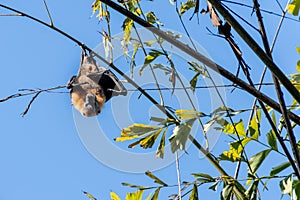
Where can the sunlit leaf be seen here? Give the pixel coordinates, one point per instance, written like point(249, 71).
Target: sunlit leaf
point(114, 196)
point(257, 160)
point(255, 125)
point(138, 129)
point(89, 195)
point(286, 185)
point(188, 114)
point(186, 6)
point(180, 135)
point(97, 6)
point(149, 43)
point(161, 147)
point(155, 195)
point(135, 196)
point(135, 131)
point(298, 50)
point(235, 150)
point(150, 140)
point(279, 168)
point(152, 19)
point(153, 54)
point(194, 193)
point(156, 179)
point(236, 129)
point(293, 8)
point(298, 66)
point(127, 27)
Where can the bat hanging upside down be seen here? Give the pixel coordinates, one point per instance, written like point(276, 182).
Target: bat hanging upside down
point(93, 86)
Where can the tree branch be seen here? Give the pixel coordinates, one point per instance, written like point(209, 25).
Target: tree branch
point(283, 108)
point(256, 49)
point(209, 63)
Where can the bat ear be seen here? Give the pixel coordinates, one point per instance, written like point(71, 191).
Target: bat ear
point(83, 55)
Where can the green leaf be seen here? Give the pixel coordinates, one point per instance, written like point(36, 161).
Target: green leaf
point(180, 135)
point(188, 114)
point(155, 195)
point(186, 6)
point(135, 196)
point(201, 177)
point(152, 19)
point(161, 147)
point(135, 186)
point(272, 140)
point(193, 82)
point(127, 27)
point(136, 46)
point(293, 8)
point(227, 192)
point(298, 66)
point(196, 67)
point(157, 119)
point(255, 125)
point(167, 69)
point(194, 193)
point(236, 129)
point(279, 168)
point(251, 192)
point(286, 185)
point(138, 129)
point(114, 196)
point(89, 195)
point(156, 179)
point(273, 117)
point(235, 150)
point(214, 186)
point(257, 160)
point(153, 54)
point(296, 189)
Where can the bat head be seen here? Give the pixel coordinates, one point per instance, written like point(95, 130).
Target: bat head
point(91, 106)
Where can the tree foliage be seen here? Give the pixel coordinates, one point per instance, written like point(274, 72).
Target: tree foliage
point(268, 130)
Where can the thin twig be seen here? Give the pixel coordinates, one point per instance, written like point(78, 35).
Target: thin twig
point(48, 12)
point(263, 10)
point(29, 104)
point(9, 15)
point(178, 175)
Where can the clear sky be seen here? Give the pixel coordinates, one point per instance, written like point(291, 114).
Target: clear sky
point(53, 152)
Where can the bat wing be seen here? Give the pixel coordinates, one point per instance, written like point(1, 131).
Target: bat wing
point(110, 84)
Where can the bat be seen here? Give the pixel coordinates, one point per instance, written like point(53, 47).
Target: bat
point(93, 86)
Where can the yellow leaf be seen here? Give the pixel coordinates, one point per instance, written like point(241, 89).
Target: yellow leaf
point(293, 8)
point(114, 196)
point(298, 66)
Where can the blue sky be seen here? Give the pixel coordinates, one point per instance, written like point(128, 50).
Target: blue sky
point(43, 155)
